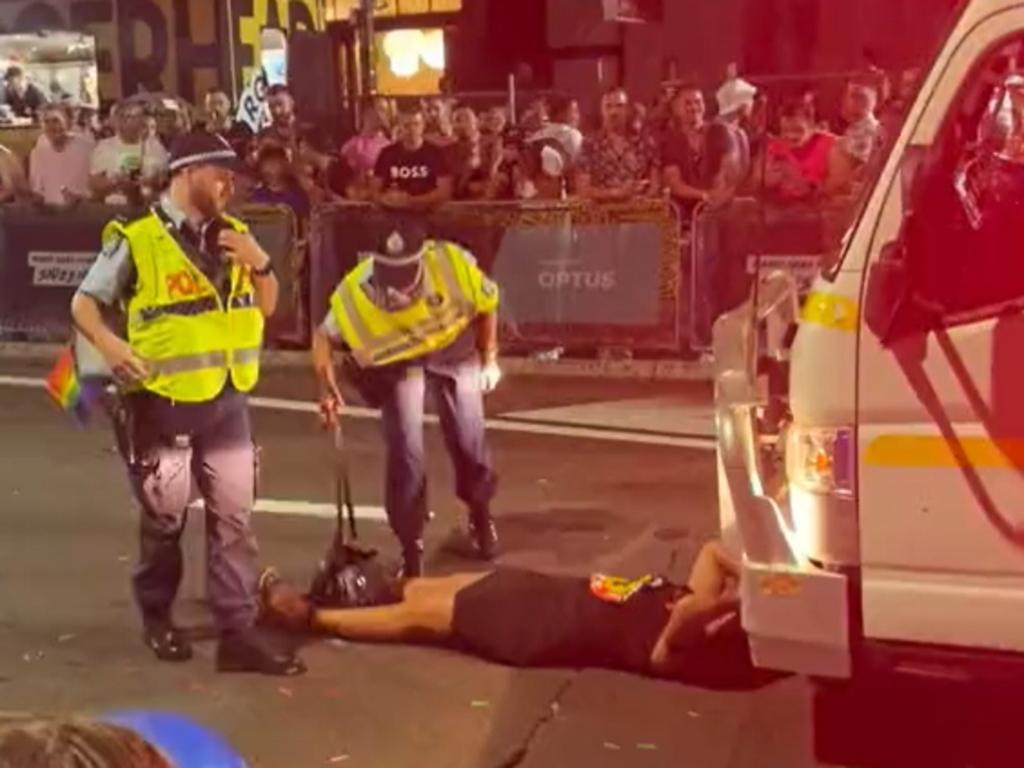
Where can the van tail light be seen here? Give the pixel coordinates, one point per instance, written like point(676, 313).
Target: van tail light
point(821, 460)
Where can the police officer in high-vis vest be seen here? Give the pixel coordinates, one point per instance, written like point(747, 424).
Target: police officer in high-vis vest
point(194, 288)
point(419, 311)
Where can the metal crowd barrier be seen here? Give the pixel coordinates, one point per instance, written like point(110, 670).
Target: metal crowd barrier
point(45, 253)
point(572, 274)
point(732, 244)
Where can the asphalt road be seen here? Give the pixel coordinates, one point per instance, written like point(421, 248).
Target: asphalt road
point(69, 638)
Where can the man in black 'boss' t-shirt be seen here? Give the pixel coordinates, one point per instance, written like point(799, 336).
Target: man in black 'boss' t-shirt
point(411, 173)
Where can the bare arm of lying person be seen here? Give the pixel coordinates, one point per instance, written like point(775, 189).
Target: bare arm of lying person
point(424, 614)
point(695, 616)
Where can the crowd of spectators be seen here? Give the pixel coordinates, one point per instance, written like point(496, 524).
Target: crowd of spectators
point(425, 152)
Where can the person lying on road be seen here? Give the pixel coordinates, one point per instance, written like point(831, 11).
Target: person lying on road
point(527, 619)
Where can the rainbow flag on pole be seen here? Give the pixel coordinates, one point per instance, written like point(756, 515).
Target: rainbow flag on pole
point(66, 389)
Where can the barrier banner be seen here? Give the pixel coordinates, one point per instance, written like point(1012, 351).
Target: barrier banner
point(733, 243)
point(45, 253)
point(571, 273)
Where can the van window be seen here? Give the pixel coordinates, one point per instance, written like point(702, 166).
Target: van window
point(966, 232)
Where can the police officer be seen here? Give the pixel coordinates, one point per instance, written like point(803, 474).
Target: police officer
point(194, 287)
point(419, 311)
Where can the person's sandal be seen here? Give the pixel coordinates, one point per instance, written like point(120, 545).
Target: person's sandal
point(282, 605)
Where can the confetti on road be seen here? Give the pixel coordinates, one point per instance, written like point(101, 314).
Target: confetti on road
point(338, 759)
point(692, 713)
point(123, 558)
point(66, 638)
point(612, 746)
point(647, 746)
point(286, 692)
point(33, 656)
point(479, 704)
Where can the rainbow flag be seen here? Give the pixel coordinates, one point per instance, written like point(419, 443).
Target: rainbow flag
point(66, 389)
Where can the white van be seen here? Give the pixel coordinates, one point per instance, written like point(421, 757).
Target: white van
point(883, 521)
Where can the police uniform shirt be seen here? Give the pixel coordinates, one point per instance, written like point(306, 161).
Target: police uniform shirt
point(414, 171)
point(463, 348)
point(111, 282)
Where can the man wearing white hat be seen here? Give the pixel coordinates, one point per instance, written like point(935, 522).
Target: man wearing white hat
point(416, 311)
point(735, 104)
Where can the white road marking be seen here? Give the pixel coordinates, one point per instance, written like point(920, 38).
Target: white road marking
point(321, 510)
point(661, 415)
point(522, 426)
point(511, 424)
point(22, 381)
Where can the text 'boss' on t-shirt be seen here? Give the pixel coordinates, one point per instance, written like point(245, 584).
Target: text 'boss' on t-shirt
point(414, 171)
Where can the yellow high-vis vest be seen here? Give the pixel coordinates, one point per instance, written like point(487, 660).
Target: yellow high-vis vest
point(189, 337)
point(454, 292)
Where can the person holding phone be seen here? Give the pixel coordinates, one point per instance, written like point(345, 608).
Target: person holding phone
point(196, 288)
point(126, 168)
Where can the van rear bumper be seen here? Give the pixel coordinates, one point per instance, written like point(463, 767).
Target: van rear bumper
point(797, 619)
point(796, 614)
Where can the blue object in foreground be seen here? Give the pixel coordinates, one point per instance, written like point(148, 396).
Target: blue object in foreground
point(185, 742)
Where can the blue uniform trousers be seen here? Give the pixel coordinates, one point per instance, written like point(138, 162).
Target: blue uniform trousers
point(456, 388)
point(209, 444)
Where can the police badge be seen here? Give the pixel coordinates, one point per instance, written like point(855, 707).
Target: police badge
point(395, 244)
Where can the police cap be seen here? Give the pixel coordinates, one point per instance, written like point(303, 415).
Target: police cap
point(202, 148)
point(401, 240)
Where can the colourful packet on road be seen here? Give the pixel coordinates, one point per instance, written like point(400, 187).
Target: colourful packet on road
point(615, 589)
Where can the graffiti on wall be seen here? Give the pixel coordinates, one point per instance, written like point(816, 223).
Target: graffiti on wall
point(165, 45)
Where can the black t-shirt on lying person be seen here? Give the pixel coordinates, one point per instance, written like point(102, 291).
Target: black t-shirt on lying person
point(527, 619)
point(415, 171)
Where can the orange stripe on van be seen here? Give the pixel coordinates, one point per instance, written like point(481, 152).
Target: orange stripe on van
point(830, 310)
point(924, 451)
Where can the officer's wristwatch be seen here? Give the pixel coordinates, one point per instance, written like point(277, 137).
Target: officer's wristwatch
point(264, 271)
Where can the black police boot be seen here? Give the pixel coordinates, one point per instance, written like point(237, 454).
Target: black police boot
point(166, 642)
point(251, 650)
point(412, 560)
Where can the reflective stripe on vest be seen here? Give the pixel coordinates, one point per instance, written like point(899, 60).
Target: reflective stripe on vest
point(365, 338)
point(419, 330)
point(398, 342)
point(188, 363)
point(375, 350)
point(195, 307)
point(452, 285)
